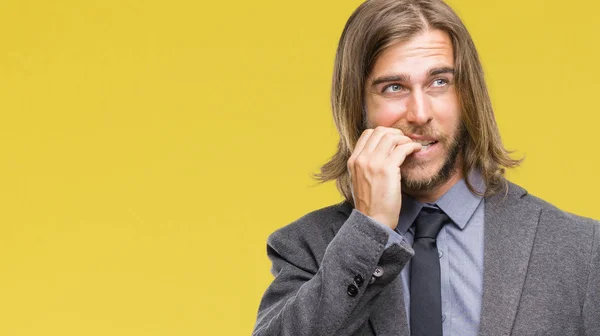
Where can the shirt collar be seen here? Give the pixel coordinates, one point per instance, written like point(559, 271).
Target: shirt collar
point(459, 203)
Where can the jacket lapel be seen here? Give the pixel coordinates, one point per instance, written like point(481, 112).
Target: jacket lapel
point(509, 234)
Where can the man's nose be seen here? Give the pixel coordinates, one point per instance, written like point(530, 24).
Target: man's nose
point(419, 111)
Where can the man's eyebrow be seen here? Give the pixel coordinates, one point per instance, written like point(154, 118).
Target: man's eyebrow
point(439, 71)
point(406, 78)
point(391, 78)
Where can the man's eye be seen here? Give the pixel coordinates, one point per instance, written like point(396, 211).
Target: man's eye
point(440, 82)
point(393, 88)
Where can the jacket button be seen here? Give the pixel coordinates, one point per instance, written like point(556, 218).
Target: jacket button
point(352, 290)
point(358, 280)
point(378, 272)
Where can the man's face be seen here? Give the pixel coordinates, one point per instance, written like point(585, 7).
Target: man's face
point(411, 87)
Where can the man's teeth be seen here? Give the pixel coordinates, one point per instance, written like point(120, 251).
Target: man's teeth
point(424, 144)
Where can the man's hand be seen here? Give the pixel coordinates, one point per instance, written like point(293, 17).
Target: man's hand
point(375, 172)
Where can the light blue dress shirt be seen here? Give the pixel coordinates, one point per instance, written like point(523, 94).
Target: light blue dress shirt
point(460, 248)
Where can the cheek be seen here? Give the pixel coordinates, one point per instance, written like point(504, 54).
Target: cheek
point(385, 113)
point(447, 113)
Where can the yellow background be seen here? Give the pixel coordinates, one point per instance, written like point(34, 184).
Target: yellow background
point(148, 148)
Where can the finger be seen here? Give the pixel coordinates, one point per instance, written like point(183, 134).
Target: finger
point(378, 158)
point(375, 138)
point(400, 153)
point(357, 150)
point(386, 145)
point(360, 144)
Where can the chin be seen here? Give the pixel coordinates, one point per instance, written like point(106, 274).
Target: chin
point(428, 175)
point(425, 177)
point(421, 177)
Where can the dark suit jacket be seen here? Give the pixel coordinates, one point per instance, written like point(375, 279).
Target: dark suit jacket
point(541, 273)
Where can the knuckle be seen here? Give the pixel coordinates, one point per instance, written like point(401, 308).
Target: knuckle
point(380, 130)
point(373, 167)
point(361, 161)
point(398, 137)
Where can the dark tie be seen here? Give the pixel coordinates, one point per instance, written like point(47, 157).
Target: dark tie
point(425, 292)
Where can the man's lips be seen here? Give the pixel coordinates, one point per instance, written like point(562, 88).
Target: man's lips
point(425, 146)
point(417, 137)
point(424, 141)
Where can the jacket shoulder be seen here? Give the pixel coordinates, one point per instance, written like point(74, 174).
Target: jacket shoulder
point(549, 212)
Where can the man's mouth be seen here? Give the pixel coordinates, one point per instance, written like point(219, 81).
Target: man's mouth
point(425, 144)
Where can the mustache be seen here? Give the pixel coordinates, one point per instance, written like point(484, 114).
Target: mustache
point(426, 131)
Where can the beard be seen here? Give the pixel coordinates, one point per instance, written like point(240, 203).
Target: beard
point(452, 147)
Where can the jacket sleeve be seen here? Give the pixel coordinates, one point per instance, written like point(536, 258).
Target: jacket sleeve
point(591, 305)
point(308, 297)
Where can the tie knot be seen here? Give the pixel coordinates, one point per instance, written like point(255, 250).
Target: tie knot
point(429, 222)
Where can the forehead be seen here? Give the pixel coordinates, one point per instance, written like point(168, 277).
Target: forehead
point(429, 49)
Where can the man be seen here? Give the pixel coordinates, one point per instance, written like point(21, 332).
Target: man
point(431, 240)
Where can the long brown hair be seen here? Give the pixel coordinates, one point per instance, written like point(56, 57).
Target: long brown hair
point(373, 27)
